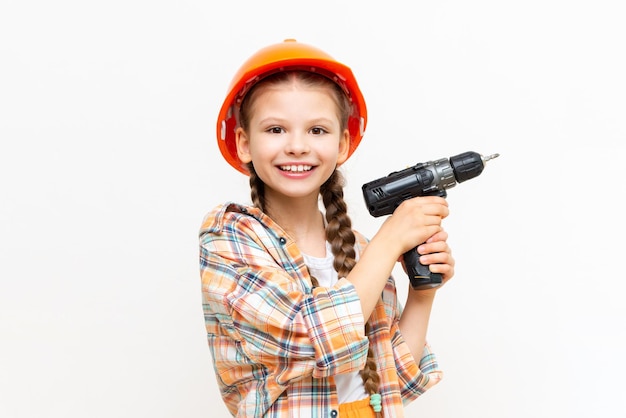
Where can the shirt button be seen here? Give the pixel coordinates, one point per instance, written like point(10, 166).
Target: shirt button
point(283, 240)
point(334, 413)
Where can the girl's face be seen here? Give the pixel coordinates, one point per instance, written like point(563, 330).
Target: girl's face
point(294, 139)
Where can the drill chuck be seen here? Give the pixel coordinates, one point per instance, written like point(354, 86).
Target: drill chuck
point(469, 165)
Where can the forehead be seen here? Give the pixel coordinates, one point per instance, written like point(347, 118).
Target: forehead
point(294, 98)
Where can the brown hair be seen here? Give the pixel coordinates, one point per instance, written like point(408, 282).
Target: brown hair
point(339, 231)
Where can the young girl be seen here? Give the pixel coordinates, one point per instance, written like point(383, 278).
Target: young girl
point(301, 312)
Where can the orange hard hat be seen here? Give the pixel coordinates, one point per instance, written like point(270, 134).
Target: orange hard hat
point(278, 57)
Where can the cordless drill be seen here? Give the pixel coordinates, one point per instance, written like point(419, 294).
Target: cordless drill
point(432, 178)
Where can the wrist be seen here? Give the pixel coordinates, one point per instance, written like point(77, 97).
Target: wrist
point(387, 244)
point(422, 295)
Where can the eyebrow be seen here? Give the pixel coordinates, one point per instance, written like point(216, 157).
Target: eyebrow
point(279, 120)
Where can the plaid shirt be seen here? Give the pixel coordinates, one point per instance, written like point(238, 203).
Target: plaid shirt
point(276, 343)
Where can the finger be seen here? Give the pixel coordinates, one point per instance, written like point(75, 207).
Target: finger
point(432, 199)
point(430, 220)
point(436, 258)
point(433, 247)
point(431, 203)
point(446, 270)
point(441, 257)
point(434, 209)
point(439, 236)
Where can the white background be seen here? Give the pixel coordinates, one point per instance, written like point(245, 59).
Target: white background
point(108, 162)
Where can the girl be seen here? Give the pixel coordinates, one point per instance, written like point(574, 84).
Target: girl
point(301, 313)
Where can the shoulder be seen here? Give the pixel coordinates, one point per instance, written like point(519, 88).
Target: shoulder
point(225, 217)
point(231, 222)
point(231, 228)
point(243, 240)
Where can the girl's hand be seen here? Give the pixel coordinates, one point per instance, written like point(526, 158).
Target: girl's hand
point(436, 253)
point(413, 222)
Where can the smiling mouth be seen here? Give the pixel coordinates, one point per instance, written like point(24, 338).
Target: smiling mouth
point(296, 168)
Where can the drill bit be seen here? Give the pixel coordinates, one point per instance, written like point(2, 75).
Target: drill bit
point(490, 157)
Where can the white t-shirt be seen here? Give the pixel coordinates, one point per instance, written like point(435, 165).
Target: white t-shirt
point(350, 385)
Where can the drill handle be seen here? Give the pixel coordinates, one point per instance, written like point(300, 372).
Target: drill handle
point(419, 274)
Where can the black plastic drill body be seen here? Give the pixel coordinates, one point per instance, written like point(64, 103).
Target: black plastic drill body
point(432, 178)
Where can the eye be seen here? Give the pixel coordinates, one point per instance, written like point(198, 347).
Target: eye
point(318, 130)
point(275, 130)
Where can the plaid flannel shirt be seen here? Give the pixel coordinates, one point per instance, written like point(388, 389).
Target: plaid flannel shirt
point(276, 343)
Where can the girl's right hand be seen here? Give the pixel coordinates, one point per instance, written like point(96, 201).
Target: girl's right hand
point(413, 222)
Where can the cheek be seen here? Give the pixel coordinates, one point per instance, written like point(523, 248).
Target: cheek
point(332, 156)
point(263, 150)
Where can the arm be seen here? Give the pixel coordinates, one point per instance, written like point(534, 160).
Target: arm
point(416, 315)
point(412, 223)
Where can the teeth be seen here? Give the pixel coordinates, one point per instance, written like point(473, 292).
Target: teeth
point(296, 168)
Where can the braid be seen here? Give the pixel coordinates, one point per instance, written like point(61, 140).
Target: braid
point(339, 229)
point(257, 189)
point(342, 239)
point(371, 379)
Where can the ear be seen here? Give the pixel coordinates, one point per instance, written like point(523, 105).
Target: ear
point(243, 146)
point(344, 148)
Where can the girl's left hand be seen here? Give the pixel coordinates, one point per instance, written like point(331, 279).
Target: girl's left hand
point(436, 253)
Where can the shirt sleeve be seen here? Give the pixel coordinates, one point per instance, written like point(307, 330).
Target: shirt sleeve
point(412, 375)
point(269, 313)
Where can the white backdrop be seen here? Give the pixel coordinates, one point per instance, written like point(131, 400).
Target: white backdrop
point(108, 163)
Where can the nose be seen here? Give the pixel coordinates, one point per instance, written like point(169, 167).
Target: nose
point(297, 144)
